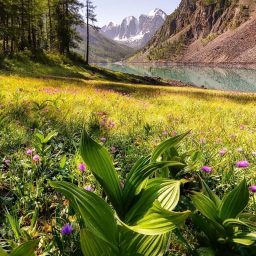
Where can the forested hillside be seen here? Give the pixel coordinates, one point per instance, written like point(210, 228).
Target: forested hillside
point(39, 24)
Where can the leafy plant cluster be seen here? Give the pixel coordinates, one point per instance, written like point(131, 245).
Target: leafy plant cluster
point(120, 202)
point(137, 218)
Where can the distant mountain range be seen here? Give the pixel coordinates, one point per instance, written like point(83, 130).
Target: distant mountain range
point(135, 32)
point(102, 49)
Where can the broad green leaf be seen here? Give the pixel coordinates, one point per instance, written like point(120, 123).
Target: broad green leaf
point(142, 244)
point(235, 202)
point(243, 237)
point(203, 225)
point(239, 223)
point(93, 246)
point(127, 202)
point(35, 217)
point(205, 205)
point(3, 253)
point(171, 154)
point(50, 136)
point(40, 137)
point(207, 191)
point(166, 191)
point(139, 176)
point(203, 251)
point(98, 160)
point(96, 213)
point(26, 249)
point(248, 216)
point(158, 221)
point(63, 162)
point(14, 226)
point(189, 153)
point(134, 254)
point(161, 148)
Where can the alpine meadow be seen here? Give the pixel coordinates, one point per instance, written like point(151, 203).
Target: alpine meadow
point(96, 162)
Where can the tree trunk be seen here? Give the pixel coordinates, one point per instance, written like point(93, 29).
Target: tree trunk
point(67, 24)
point(88, 34)
point(12, 48)
point(29, 22)
point(50, 21)
point(7, 35)
point(22, 26)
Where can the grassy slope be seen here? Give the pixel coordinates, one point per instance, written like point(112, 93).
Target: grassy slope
point(79, 71)
point(102, 49)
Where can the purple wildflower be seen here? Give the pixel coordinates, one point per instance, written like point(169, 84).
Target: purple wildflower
point(222, 152)
point(242, 164)
point(241, 127)
point(103, 139)
point(206, 169)
point(88, 188)
point(165, 133)
point(7, 161)
point(239, 150)
point(113, 148)
point(36, 158)
point(66, 230)
point(29, 152)
point(122, 184)
point(202, 140)
point(253, 188)
point(81, 167)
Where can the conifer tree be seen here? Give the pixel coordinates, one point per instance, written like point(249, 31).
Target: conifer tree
point(90, 18)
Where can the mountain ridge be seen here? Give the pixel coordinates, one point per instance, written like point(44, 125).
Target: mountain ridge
point(220, 32)
point(135, 32)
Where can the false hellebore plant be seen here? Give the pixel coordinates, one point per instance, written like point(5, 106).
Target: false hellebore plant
point(25, 249)
point(141, 216)
point(222, 223)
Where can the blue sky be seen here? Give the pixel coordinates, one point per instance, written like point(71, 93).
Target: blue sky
point(116, 10)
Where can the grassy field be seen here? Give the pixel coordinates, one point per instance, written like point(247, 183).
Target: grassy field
point(127, 119)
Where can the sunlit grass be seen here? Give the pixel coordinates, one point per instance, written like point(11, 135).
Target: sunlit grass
point(133, 119)
point(140, 114)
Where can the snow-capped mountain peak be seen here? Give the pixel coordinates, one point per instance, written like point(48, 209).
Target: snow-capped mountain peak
point(157, 11)
point(135, 32)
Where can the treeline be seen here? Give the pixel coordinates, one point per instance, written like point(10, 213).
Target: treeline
point(39, 24)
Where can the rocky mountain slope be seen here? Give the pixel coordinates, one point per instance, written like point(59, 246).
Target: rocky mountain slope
point(102, 49)
point(217, 32)
point(135, 32)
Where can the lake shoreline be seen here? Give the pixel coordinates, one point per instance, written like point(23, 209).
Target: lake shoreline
point(169, 82)
point(248, 65)
point(217, 78)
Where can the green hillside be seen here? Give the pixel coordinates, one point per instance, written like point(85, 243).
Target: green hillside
point(102, 49)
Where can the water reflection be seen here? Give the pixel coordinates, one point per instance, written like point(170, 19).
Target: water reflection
point(231, 79)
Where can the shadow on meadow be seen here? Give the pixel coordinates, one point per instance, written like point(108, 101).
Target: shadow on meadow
point(57, 68)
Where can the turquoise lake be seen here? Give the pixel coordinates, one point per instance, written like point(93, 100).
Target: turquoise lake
point(229, 79)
